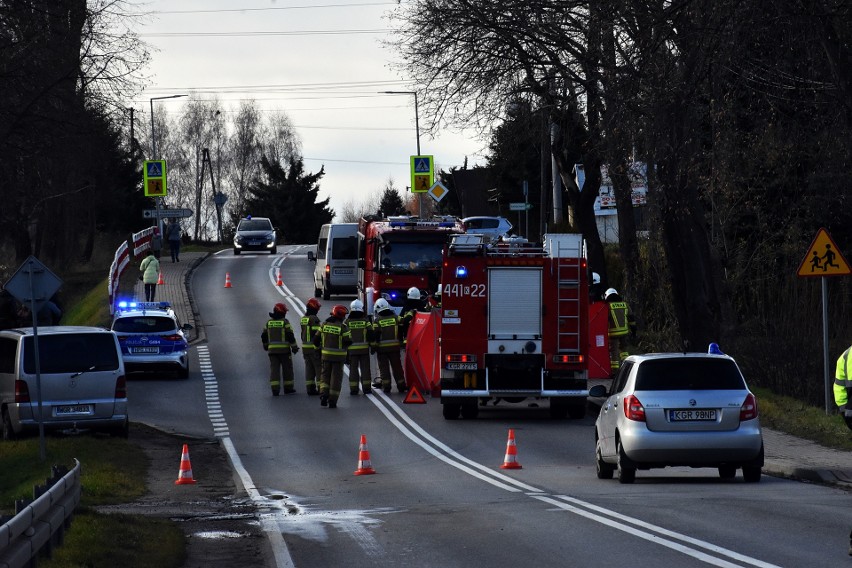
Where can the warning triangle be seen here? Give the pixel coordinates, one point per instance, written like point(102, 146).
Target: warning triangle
point(823, 258)
point(414, 397)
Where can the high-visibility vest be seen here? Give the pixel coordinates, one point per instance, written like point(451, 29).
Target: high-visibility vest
point(310, 326)
point(359, 331)
point(332, 341)
point(842, 380)
point(386, 328)
point(618, 324)
point(277, 330)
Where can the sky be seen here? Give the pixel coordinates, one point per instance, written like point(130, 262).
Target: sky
point(321, 62)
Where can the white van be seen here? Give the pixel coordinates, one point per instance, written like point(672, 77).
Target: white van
point(81, 379)
point(336, 270)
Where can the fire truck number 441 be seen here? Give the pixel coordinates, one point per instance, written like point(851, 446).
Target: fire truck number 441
point(462, 290)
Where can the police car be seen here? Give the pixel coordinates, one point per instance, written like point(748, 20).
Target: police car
point(151, 338)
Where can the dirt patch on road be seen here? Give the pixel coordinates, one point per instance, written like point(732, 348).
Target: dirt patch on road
point(219, 521)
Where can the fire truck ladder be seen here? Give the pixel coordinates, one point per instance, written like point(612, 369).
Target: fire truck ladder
point(569, 266)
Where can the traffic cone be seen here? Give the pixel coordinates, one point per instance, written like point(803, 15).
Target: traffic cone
point(278, 281)
point(511, 459)
point(185, 471)
point(160, 280)
point(227, 280)
point(364, 467)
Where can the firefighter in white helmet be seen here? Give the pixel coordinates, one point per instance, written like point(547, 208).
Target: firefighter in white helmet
point(387, 335)
point(621, 323)
point(414, 301)
point(361, 331)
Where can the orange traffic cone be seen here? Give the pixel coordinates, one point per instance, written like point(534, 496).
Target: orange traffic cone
point(160, 280)
point(511, 459)
point(185, 471)
point(278, 281)
point(364, 467)
point(227, 280)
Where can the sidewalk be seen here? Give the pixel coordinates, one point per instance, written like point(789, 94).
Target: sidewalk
point(785, 455)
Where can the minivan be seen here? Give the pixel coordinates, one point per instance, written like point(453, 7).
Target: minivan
point(336, 260)
point(81, 378)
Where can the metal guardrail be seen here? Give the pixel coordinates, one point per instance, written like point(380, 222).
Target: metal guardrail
point(39, 525)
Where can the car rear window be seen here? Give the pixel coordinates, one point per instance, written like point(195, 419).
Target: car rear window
point(344, 247)
point(698, 373)
point(72, 352)
point(144, 324)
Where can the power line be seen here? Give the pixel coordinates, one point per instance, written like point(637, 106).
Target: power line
point(264, 34)
point(358, 5)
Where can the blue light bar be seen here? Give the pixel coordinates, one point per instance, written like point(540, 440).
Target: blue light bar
point(461, 272)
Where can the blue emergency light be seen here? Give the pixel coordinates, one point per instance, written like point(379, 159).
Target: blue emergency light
point(461, 272)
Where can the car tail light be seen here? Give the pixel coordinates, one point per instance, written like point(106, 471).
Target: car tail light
point(121, 387)
point(22, 393)
point(748, 411)
point(172, 337)
point(122, 338)
point(633, 409)
point(327, 270)
point(461, 358)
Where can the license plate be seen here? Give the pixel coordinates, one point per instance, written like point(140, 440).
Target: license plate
point(462, 366)
point(691, 415)
point(144, 349)
point(343, 271)
point(72, 409)
point(254, 243)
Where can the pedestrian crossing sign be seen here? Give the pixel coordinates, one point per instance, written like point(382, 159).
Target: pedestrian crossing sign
point(154, 174)
point(824, 258)
point(422, 173)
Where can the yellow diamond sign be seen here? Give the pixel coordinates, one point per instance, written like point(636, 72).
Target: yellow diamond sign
point(438, 191)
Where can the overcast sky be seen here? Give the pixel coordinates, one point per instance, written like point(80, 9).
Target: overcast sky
point(320, 62)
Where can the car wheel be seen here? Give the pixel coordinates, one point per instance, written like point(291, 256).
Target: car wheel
point(326, 293)
point(626, 469)
point(469, 411)
point(183, 373)
point(751, 473)
point(8, 432)
point(236, 251)
point(577, 411)
point(274, 250)
point(603, 469)
point(451, 411)
point(123, 431)
point(727, 471)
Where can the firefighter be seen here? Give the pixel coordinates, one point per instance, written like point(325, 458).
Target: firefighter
point(386, 331)
point(842, 386)
point(360, 327)
point(413, 303)
point(279, 342)
point(621, 322)
point(333, 339)
point(310, 324)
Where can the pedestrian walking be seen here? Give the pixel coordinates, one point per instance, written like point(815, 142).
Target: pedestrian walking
point(621, 323)
point(387, 334)
point(173, 234)
point(332, 339)
point(361, 332)
point(310, 326)
point(280, 344)
point(150, 268)
point(157, 242)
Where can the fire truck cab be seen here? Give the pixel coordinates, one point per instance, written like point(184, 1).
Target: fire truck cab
point(397, 253)
point(514, 324)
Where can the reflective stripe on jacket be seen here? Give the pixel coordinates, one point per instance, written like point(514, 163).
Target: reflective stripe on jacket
point(842, 381)
point(387, 330)
point(331, 342)
point(310, 326)
point(618, 319)
point(360, 332)
point(279, 333)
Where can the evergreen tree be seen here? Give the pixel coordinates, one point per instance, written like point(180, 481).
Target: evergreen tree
point(391, 203)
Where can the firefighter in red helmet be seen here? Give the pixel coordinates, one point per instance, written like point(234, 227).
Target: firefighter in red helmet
point(333, 339)
point(279, 342)
point(310, 325)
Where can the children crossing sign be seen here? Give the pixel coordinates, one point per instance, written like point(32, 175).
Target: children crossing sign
point(154, 178)
point(422, 173)
point(823, 258)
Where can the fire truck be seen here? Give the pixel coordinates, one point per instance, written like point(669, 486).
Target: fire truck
point(514, 324)
point(397, 253)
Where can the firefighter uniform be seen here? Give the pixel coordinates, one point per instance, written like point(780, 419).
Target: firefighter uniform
point(332, 340)
point(621, 323)
point(842, 386)
point(310, 325)
point(387, 333)
point(279, 342)
point(361, 332)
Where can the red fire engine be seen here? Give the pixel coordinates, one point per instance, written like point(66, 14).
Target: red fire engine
point(397, 253)
point(514, 324)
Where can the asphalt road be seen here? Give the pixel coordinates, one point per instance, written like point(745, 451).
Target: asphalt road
point(439, 497)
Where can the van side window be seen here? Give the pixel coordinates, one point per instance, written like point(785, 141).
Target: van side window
point(8, 347)
point(321, 246)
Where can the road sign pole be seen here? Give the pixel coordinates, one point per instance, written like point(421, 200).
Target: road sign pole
point(825, 361)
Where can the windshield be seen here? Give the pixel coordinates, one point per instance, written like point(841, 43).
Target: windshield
point(407, 257)
point(255, 225)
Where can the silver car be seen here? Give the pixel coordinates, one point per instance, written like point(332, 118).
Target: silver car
point(678, 409)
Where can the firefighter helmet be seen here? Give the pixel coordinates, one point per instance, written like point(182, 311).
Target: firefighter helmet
point(278, 310)
point(610, 292)
point(596, 278)
point(314, 303)
point(413, 293)
point(339, 311)
point(382, 305)
point(356, 306)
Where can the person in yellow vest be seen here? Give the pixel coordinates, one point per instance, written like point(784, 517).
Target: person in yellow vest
point(279, 342)
point(842, 386)
point(310, 325)
point(387, 335)
point(621, 323)
point(361, 332)
point(332, 340)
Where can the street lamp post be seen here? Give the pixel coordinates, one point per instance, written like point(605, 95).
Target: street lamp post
point(417, 130)
point(159, 200)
